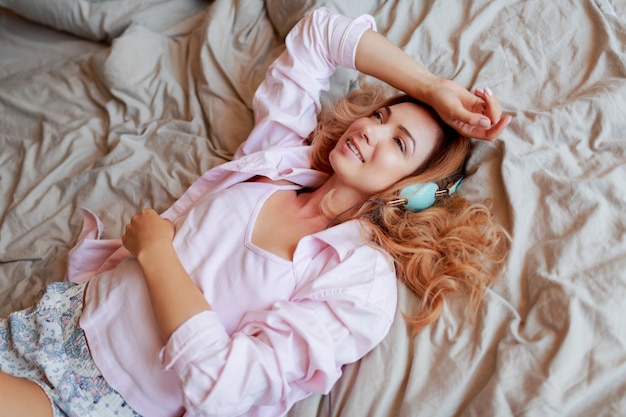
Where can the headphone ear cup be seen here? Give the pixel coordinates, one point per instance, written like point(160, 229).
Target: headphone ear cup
point(420, 196)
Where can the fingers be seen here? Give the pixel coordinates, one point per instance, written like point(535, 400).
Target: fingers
point(139, 219)
point(148, 219)
point(491, 105)
point(147, 212)
point(477, 132)
point(147, 228)
point(477, 115)
point(486, 121)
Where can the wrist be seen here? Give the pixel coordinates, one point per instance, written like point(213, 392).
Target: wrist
point(147, 254)
point(429, 90)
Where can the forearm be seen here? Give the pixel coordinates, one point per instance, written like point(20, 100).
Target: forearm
point(378, 57)
point(175, 297)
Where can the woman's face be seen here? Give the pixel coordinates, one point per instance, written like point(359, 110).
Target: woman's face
point(376, 152)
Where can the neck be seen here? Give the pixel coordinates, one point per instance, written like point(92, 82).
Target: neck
point(339, 198)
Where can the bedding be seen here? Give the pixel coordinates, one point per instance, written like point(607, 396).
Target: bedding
point(112, 106)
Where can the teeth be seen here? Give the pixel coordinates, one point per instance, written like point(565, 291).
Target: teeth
point(355, 150)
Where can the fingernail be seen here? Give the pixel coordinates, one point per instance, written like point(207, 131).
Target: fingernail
point(488, 92)
point(484, 122)
point(479, 91)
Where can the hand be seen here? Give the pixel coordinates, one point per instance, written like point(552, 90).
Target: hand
point(147, 229)
point(174, 295)
point(475, 115)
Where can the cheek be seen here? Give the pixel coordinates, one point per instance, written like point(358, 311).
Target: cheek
point(332, 156)
point(393, 166)
point(387, 171)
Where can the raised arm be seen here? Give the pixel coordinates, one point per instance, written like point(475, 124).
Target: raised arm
point(287, 103)
point(378, 57)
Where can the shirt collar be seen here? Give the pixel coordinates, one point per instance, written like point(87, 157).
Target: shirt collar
point(343, 238)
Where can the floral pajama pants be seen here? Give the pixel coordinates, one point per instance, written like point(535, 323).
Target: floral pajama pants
point(45, 344)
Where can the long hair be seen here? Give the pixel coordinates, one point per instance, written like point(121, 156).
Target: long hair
point(452, 248)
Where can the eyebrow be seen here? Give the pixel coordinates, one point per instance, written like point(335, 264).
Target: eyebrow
point(403, 129)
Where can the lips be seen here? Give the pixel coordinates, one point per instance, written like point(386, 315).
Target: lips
point(355, 149)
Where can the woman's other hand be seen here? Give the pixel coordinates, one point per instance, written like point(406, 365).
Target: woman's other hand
point(174, 295)
point(147, 229)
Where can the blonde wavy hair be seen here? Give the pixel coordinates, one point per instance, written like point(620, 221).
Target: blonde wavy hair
point(452, 248)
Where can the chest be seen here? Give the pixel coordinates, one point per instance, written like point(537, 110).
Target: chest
point(214, 243)
point(279, 226)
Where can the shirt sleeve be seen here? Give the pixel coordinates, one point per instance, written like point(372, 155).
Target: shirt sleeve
point(279, 356)
point(287, 102)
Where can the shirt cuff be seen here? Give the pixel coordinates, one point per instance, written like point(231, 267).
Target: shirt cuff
point(200, 333)
point(346, 37)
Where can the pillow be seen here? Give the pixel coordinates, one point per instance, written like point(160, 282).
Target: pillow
point(102, 20)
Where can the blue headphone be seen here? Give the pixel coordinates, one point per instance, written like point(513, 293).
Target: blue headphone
point(420, 196)
point(416, 197)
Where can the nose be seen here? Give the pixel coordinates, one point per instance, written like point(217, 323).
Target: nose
point(373, 133)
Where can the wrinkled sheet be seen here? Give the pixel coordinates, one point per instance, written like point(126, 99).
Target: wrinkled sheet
point(130, 121)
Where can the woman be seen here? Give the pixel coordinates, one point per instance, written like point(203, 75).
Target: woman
point(267, 275)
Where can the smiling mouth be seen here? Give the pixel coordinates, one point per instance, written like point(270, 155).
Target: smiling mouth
point(354, 149)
